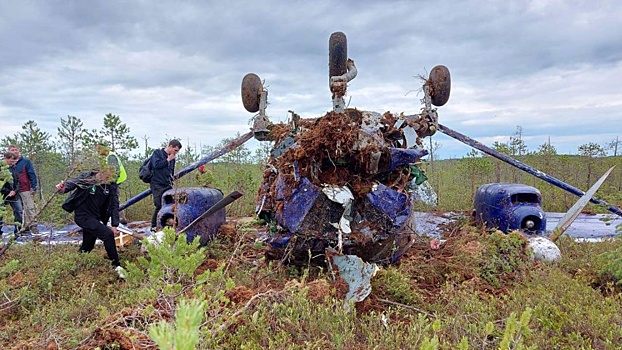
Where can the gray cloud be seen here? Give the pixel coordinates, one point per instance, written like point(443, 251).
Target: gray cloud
point(174, 68)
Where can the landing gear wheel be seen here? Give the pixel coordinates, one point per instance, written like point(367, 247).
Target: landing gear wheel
point(251, 92)
point(439, 83)
point(337, 54)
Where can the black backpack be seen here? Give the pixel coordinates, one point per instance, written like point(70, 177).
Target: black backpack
point(145, 172)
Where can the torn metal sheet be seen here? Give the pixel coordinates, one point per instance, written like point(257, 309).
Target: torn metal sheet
point(295, 202)
point(355, 272)
point(392, 203)
point(425, 193)
point(401, 156)
point(343, 196)
point(282, 147)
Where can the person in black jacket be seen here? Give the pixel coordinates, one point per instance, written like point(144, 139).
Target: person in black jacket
point(92, 202)
point(163, 169)
point(10, 187)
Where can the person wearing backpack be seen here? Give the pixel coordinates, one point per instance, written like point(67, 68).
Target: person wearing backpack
point(162, 170)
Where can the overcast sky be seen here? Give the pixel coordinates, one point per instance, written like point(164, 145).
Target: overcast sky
point(174, 68)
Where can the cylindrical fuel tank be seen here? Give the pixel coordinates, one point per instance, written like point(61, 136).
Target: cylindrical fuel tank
point(181, 206)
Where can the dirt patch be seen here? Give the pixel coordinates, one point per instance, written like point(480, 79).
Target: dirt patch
point(120, 333)
point(240, 294)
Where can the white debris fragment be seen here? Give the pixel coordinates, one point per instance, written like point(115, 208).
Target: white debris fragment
point(543, 249)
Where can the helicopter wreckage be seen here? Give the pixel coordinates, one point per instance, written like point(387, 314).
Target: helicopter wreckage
point(340, 189)
point(346, 182)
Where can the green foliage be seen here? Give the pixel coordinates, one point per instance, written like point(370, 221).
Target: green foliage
point(503, 255)
point(591, 150)
point(612, 268)
point(5, 176)
point(59, 296)
point(71, 138)
point(397, 285)
point(514, 331)
point(117, 134)
point(184, 333)
point(32, 141)
point(171, 263)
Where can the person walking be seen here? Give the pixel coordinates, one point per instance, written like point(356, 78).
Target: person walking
point(112, 160)
point(27, 189)
point(92, 202)
point(9, 189)
point(163, 169)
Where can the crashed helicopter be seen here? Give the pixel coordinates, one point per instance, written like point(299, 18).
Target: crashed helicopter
point(343, 184)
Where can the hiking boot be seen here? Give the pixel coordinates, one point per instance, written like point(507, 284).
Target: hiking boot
point(34, 229)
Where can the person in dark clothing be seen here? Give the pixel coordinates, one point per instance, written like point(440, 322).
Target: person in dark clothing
point(92, 202)
point(112, 160)
point(163, 169)
point(9, 188)
point(27, 189)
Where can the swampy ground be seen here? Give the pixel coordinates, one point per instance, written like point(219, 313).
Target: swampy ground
point(479, 289)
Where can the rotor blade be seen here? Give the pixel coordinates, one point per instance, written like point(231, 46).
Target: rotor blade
point(224, 150)
point(214, 208)
point(574, 211)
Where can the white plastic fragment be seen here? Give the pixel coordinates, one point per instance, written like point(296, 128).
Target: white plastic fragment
point(543, 249)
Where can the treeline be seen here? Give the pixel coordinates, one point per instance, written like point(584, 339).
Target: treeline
point(456, 180)
point(71, 150)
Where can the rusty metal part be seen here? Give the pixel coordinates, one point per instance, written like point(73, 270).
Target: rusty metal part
point(251, 92)
point(424, 124)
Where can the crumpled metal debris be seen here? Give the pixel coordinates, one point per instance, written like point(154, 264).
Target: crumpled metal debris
point(355, 272)
point(346, 181)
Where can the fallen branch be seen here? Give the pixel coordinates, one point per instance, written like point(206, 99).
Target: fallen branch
point(7, 304)
point(406, 307)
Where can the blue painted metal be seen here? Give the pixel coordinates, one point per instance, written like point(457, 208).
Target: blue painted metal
point(188, 203)
point(228, 148)
point(296, 202)
point(522, 166)
point(405, 156)
point(393, 204)
point(508, 206)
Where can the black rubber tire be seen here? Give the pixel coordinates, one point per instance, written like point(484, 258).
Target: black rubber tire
point(440, 85)
point(337, 54)
point(251, 92)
